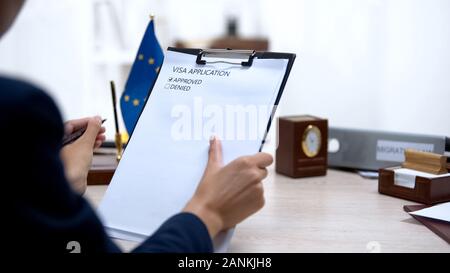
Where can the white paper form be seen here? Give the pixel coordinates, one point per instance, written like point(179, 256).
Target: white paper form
point(167, 153)
point(440, 212)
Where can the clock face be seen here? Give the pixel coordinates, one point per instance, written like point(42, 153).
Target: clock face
point(311, 141)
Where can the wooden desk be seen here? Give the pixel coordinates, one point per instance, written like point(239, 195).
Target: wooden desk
point(340, 212)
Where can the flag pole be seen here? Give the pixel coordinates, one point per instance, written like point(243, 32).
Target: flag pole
point(118, 136)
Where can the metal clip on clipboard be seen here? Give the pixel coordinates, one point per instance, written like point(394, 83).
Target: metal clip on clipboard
point(226, 55)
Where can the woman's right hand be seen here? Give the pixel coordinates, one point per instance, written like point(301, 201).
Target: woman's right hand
point(227, 195)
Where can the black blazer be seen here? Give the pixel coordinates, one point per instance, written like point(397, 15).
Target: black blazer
point(42, 213)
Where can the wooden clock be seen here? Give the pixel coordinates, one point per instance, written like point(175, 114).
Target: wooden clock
point(302, 146)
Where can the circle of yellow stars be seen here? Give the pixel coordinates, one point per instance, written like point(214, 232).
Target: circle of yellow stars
point(151, 61)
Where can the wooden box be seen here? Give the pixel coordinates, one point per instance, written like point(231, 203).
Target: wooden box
point(426, 190)
point(103, 167)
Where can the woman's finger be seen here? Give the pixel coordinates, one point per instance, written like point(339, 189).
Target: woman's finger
point(98, 144)
point(101, 138)
point(77, 124)
point(102, 130)
point(91, 133)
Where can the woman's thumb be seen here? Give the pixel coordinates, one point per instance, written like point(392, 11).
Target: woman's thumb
point(93, 127)
point(215, 153)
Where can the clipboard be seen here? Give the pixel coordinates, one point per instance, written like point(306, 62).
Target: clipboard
point(167, 172)
point(228, 55)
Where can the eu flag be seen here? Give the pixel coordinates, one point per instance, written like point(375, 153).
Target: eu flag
point(142, 76)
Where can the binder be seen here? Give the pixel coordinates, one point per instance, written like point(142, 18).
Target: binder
point(145, 190)
point(372, 150)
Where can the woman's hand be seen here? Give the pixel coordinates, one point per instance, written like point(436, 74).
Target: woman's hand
point(227, 195)
point(77, 156)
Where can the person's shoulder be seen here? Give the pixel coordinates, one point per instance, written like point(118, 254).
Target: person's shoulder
point(23, 103)
point(14, 93)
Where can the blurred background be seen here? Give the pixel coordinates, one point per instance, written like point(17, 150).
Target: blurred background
point(372, 64)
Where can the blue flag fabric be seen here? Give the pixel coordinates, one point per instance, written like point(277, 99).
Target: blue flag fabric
point(142, 76)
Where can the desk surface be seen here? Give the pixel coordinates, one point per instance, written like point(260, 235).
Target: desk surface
point(340, 212)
